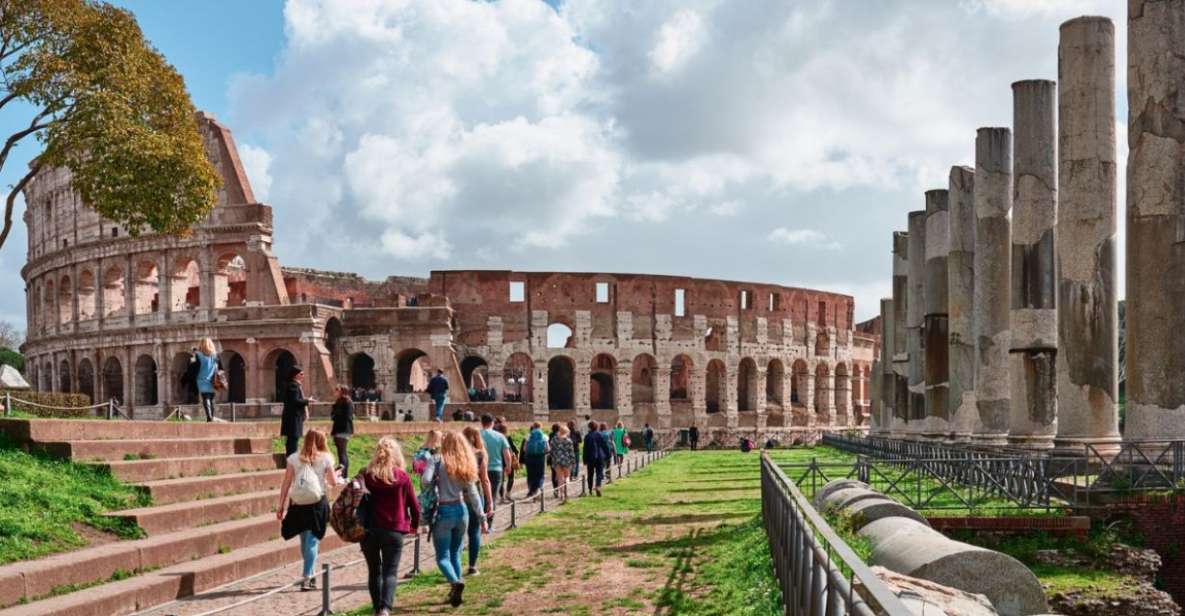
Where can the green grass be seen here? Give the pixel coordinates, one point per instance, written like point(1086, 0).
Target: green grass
point(44, 499)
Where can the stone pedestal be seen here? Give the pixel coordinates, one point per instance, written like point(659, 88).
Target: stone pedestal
point(1087, 310)
point(935, 328)
point(1155, 220)
point(916, 416)
point(993, 202)
point(961, 300)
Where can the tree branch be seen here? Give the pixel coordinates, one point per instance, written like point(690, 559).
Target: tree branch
point(34, 126)
point(11, 201)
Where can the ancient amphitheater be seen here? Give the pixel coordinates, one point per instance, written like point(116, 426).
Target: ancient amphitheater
point(115, 316)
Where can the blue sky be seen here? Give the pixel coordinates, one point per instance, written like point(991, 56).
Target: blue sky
point(740, 139)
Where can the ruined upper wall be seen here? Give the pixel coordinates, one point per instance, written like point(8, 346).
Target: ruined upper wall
point(348, 290)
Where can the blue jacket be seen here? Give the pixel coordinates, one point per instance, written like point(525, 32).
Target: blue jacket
point(438, 386)
point(596, 448)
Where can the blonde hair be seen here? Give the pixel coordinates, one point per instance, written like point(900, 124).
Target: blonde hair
point(458, 458)
point(474, 437)
point(564, 431)
point(433, 439)
point(206, 347)
point(313, 447)
point(388, 456)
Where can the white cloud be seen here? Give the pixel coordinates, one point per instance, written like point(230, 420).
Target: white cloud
point(677, 40)
point(802, 237)
point(256, 163)
point(726, 208)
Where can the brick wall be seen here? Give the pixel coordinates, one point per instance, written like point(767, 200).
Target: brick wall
point(1161, 519)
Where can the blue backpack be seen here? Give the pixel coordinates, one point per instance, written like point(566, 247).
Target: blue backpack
point(536, 445)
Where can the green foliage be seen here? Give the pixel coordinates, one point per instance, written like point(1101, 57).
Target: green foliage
point(9, 357)
point(73, 402)
point(44, 500)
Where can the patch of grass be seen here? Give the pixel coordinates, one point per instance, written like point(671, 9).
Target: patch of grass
point(44, 498)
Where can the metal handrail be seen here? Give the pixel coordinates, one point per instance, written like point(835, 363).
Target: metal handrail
point(806, 550)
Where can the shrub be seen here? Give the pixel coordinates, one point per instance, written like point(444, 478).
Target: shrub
point(12, 358)
point(73, 403)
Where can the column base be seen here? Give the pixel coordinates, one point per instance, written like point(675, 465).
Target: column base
point(1034, 442)
point(1106, 447)
point(990, 439)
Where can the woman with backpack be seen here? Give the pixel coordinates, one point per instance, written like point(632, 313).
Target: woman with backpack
point(453, 480)
point(476, 516)
point(394, 513)
point(304, 509)
point(343, 427)
point(621, 442)
point(208, 366)
point(535, 450)
point(424, 457)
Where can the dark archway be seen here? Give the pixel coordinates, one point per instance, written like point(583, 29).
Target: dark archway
point(560, 380)
point(113, 380)
point(86, 379)
point(281, 361)
point(411, 370)
point(146, 392)
point(236, 377)
point(475, 372)
point(184, 392)
point(681, 367)
point(64, 380)
point(643, 377)
point(714, 388)
point(362, 371)
point(799, 381)
point(747, 385)
point(602, 392)
point(775, 376)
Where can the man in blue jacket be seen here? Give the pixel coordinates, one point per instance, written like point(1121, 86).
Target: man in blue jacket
point(596, 454)
point(438, 389)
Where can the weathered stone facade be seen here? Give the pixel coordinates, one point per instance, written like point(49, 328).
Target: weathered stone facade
point(116, 317)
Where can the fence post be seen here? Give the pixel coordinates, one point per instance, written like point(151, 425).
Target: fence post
point(7, 404)
point(233, 413)
point(325, 608)
point(513, 513)
point(415, 569)
point(542, 500)
point(110, 408)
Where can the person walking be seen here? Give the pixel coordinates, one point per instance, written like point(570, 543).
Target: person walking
point(498, 449)
point(596, 452)
point(296, 410)
point(563, 459)
point(477, 516)
point(342, 416)
point(577, 438)
point(610, 459)
point(438, 389)
point(535, 451)
point(555, 480)
point(693, 436)
point(424, 457)
point(506, 490)
point(648, 438)
point(303, 509)
point(394, 514)
point(208, 366)
point(621, 441)
point(453, 477)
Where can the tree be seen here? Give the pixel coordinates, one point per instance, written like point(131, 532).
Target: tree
point(107, 106)
point(10, 336)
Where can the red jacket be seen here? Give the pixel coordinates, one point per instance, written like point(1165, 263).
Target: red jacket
point(393, 505)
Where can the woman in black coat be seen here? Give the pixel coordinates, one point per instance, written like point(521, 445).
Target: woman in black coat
point(296, 411)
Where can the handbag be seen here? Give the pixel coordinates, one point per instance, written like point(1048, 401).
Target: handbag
point(220, 380)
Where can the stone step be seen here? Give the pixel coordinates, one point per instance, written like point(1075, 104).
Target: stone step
point(135, 471)
point(148, 449)
point(45, 430)
point(168, 491)
point(25, 581)
point(182, 580)
point(161, 519)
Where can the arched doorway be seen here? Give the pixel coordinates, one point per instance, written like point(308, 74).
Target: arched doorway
point(642, 379)
point(747, 385)
point(362, 371)
point(236, 377)
point(333, 337)
point(186, 291)
point(519, 373)
point(560, 381)
point(280, 363)
point(475, 373)
point(113, 380)
point(86, 379)
point(65, 301)
point(146, 394)
point(86, 295)
point(799, 382)
point(601, 392)
point(822, 391)
point(113, 293)
point(412, 370)
point(230, 281)
point(146, 292)
point(775, 374)
point(65, 383)
point(714, 389)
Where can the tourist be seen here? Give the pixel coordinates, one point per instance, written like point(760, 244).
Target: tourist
point(476, 516)
point(563, 459)
point(648, 438)
point(507, 489)
point(535, 456)
point(453, 478)
point(342, 416)
point(296, 410)
point(693, 436)
point(394, 513)
point(611, 459)
point(469, 416)
point(621, 442)
point(424, 457)
point(576, 437)
point(438, 389)
point(555, 480)
point(596, 453)
point(208, 366)
point(746, 444)
point(498, 449)
point(304, 508)
point(458, 414)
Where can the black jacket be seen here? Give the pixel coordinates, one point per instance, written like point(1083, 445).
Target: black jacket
point(292, 421)
point(343, 417)
point(596, 448)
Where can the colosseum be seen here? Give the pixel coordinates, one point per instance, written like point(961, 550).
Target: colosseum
point(115, 316)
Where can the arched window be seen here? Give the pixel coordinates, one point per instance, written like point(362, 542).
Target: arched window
point(146, 294)
point(560, 380)
point(642, 379)
point(559, 336)
point(747, 385)
point(714, 386)
point(146, 394)
point(602, 393)
point(775, 374)
point(412, 370)
point(519, 373)
point(681, 367)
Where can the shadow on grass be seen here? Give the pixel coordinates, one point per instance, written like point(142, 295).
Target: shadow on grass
point(673, 595)
point(691, 518)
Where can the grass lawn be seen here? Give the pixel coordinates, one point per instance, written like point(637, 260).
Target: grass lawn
point(49, 505)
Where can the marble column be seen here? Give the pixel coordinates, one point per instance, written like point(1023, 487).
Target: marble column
point(900, 357)
point(960, 284)
point(1155, 354)
point(915, 310)
point(1034, 229)
point(1087, 310)
point(935, 329)
point(884, 371)
point(993, 237)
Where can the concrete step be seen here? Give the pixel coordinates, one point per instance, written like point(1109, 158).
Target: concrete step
point(168, 491)
point(135, 471)
point(26, 581)
point(44, 430)
point(148, 449)
point(161, 519)
point(182, 580)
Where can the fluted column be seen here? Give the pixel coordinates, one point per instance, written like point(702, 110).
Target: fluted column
point(961, 302)
point(937, 343)
point(993, 202)
point(913, 323)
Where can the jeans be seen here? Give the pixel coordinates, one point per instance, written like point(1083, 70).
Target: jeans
point(208, 404)
point(495, 483)
point(596, 471)
point(308, 551)
point(382, 549)
point(440, 400)
point(649, 446)
point(343, 454)
point(475, 535)
point(448, 535)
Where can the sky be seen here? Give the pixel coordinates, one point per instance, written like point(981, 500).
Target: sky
point(753, 140)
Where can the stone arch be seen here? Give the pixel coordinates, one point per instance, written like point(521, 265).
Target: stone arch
point(602, 392)
point(822, 389)
point(519, 373)
point(643, 379)
point(236, 376)
point(712, 339)
point(681, 368)
point(113, 379)
point(47, 376)
point(230, 281)
point(186, 291)
point(146, 393)
point(278, 366)
point(51, 315)
point(559, 336)
point(183, 392)
point(747, 385)
point(775, 377)
point(561, 378)
point(799, 382)
point(65, 382)
point(113, 291)
point(65, 300)
point(362, 371)
point(843, 389)
point(822, 345)
point(146, 293)
point(86, 379)
point(412, 370)
point(475, 372)
point(333, 336)
point(86, 295)
point(714, 386)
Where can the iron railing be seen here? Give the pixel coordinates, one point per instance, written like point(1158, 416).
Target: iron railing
point(808, 556)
